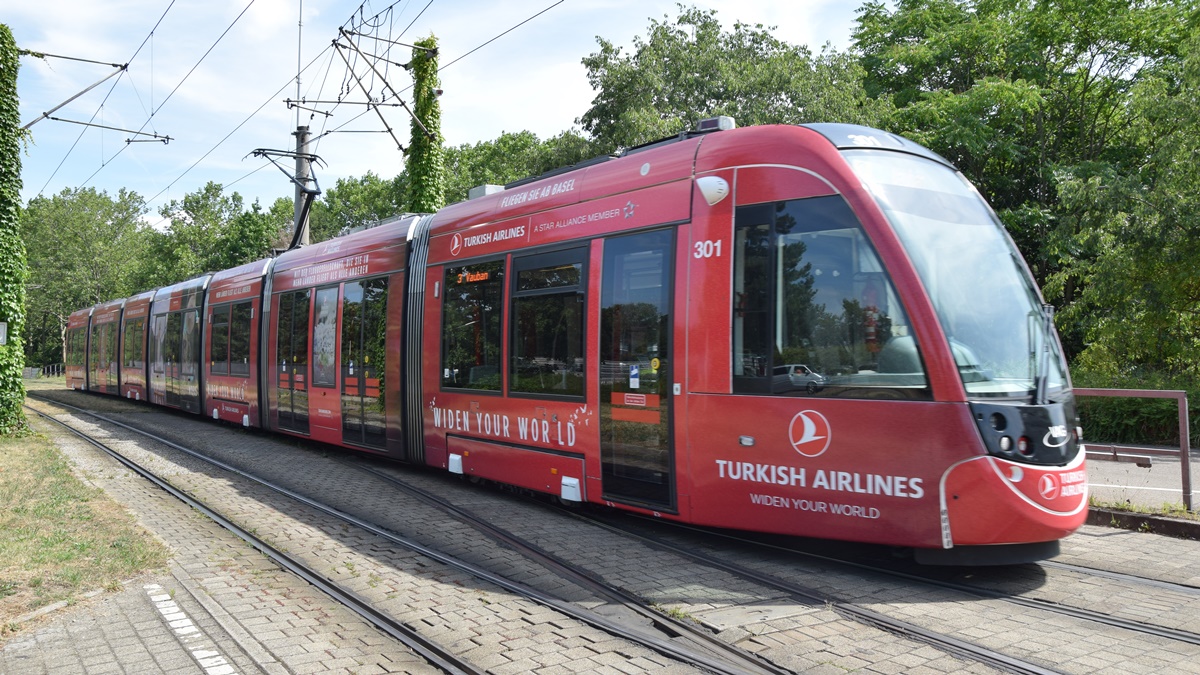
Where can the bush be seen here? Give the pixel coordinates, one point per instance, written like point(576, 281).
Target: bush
point(1136, 421)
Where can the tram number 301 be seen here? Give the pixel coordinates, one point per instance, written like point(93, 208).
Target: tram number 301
point(709, 248)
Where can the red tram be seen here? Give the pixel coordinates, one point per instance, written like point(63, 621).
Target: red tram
point(816, 330)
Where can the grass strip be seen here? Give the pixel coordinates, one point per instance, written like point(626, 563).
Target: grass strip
point(59, 537)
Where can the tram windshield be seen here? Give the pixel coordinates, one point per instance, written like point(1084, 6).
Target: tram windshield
point(983, 294)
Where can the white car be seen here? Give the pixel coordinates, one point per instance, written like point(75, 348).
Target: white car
point(796, 376)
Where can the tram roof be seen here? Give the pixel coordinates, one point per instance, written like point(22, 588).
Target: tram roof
point(390, 232)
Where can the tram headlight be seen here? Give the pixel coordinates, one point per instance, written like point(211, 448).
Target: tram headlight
point(1006, 443)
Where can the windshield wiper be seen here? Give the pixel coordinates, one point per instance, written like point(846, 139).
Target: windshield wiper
point(1042, 368)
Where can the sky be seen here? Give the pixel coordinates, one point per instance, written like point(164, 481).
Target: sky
point(213, 75)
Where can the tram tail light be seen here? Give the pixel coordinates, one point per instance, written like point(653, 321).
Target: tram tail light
point(1023, 446)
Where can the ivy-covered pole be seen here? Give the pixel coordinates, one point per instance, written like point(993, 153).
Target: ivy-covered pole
point(426, 164)
point(12, 250)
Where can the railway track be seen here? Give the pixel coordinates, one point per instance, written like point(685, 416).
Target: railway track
point(673, 633)
point(676, 640)
point(434, 653)
point(1171, 586)
point(851, 611)
point(576, 574)
point(928, 578)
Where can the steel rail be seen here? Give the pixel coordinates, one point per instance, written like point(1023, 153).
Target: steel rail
point(1044, 605)
point(850, 611)
point(655, 643)
point(749, 662)
point(1121, 576)
point(429, 650)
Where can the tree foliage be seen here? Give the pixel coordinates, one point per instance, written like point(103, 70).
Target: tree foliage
point(690, 68)
point(209, 231)
point(510, 157)
point(1133, 228)
point(12, 249)
point(83, 246)
point(1037, 103)
point(356, 202)
point(1012, 91)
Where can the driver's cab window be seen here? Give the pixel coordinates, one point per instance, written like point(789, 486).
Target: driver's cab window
point(814, 312)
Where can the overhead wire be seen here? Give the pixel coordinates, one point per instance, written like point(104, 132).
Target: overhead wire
point(460, 58)
point(378, 16)
point(257, 110)
point(556, 4)
point(106, 95)
point(177, 86)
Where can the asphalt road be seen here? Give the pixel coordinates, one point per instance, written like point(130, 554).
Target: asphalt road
point(1155, 486)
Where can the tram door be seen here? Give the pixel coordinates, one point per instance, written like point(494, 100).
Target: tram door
point(171, 358)
point(635, 365)
point(364, 353)
point(291, 354)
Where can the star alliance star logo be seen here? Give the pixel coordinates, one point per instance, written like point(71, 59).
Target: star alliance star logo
point(629, 207)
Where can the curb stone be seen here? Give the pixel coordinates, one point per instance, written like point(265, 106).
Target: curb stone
point(1144, 522)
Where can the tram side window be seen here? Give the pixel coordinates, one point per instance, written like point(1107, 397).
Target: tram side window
point(75, 346)
point(292, 339)
point(171, 351)
point(324, 352)
point(230, 353)
point(239, 338)
point(111, 333)
point(547, 324)
point(815, 313)
point(96, 357)
point(471, 332)
point(135, 347)
point(219, 362)
point(158, 342)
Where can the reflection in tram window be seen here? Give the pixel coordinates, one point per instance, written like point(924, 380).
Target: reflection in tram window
point(815, 314)
point(135, 347)
point(219, 352)
point(547, 316)
point(471, 326)
point(239, 338)
point(230, 344)
point(75, 342)
point(324, 351)
point(364, 356)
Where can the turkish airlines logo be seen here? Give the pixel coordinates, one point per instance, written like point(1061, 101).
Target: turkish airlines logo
point(456, 245)
point(810, 433)
point(1048, 486)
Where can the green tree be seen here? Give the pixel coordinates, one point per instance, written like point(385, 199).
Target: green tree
point(356, 202)
point(1134, 227)
point(252, 234)
point(690, 69)
point(12, 249)
point(510, 157)
point(208, 231)
point(426, 170)
point(84, 246)
point(1013, 91)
